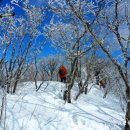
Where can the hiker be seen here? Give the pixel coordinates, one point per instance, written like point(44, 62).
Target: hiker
point(102, 83)
point(62, 73)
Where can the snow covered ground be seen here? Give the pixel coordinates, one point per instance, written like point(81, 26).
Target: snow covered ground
point(45, 110)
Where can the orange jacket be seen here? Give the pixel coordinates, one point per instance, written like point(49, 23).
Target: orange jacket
point(64, 70)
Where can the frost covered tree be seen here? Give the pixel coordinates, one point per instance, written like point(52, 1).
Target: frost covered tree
point(71, 39)
point(18, 48)
point(18, 44)
point(108, 23)
point(49, 66)
point(104, 23)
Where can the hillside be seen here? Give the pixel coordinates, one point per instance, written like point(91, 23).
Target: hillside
point(45, 110)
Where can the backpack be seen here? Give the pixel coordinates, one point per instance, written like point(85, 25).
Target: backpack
point(61, 71)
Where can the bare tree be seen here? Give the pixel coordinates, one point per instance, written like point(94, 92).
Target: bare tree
point(112, 24)
point(49, 66)
point(105, 28)
point(71, 39)
point(86, 73)
point(18, 43)
point(37, 75)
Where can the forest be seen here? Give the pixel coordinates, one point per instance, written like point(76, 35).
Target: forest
point(90, 38)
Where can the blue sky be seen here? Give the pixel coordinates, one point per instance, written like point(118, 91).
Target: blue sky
point(48, 50)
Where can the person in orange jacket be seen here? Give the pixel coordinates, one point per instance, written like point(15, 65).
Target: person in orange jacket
point(62, 73)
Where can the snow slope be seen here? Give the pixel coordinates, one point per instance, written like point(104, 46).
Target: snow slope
point(45, 110)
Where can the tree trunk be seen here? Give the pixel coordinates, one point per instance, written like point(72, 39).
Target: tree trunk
point(8, 87)
point(15, 84)
point(86, 90)
point(72, 78)
point(70, 87)
point(69, 95)
point(80, 92)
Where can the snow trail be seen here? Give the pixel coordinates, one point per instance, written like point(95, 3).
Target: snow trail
point(45, 110)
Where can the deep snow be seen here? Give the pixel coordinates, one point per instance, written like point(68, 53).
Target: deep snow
point(45, 109)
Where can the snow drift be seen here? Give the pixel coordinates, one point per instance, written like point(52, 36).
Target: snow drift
point(46, 110)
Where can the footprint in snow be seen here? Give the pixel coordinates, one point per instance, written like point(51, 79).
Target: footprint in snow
point(74, 118)
point(82, 121)
point(76, 121)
